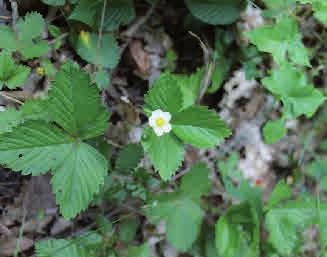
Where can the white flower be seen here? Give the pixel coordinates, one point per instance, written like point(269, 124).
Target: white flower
point(160, 122)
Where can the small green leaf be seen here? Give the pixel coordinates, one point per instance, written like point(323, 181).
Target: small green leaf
point(30, 27)
point(280, 39)
point(9, 119)
point(165, 152)
point(11, 74)
point(200, 127)
point(85, 12)
point(128, 229)
point(54, 2)
point(59, 248)
point(274, 131)
point(165, 95)
point(281, 193)
point(291, 86)
point(102, 79)
point(106, 54)
point(129, 157)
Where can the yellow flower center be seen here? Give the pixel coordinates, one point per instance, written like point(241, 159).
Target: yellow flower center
point(160, 122)
point(85, 37)
point(40, 71)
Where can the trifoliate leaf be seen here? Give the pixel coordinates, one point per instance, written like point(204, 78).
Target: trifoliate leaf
point(129, 157)
point(165, 152)
point(274, 131)
point(284, 222)
point(11, 74)
point(105, 54)
point(164, 95)
point(74, 103)
point(216, 11)
point(139, 251)
point(174, 207)
point(36, 147)
point(237, 232)
point(118, 12)
point(200, 127)
point(281, 39)
point(297, 95)
point(27, 41)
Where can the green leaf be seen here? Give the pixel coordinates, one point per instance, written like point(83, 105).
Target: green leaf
point(75, 104)
point(165, 152)
point(128, 229)
point(165, 95)
point(174, 207)
point(274, 131)
point(216, 12)
point(9, 119)
point(139, 251)
point(284, 222)
point(31, 26)
point(105, 55)
point(200, 127)
point(291, 86)
point(59, 248)
point(36, 147)
point(129, 157)
point(8, 39)
point(118, 12)
point(102, 79)
point(280, 39)
point(12, 75)
point(85, 12)
point(78, 178)
point(54, 2)
point(281, 193)
point(198, 175)
point(237, 232)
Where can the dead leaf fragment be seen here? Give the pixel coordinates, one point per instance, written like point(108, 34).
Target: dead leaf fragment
point(8, 245)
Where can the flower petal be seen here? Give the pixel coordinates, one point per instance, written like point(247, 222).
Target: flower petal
point(166, 116)
point(159, 131)
point(167, 128)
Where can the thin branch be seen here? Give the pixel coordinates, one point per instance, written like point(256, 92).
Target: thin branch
point(3, 94)
point(15, 16)
point(101, 29)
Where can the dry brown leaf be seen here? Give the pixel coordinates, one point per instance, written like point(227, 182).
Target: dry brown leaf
point(8, 245)
point(141, 57)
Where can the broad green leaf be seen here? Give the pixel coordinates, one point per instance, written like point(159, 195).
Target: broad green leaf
point(106, 54)
point(34, 147)
point(174, 207)
point(281, 39)
point(78, 178)
point(165, 152)
point(74, 103)
point(274, 131)
point(118, 12)
point(237, 232)
point(298, 96)
point(139, 251)
point(281, 193)
point(216, 12)
point(165, 95)
point(58, 248)
point(283, 224)
point(200, 127)
point(11, 74)
point(198, 175)
point(181, 231)
point(129, 157)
